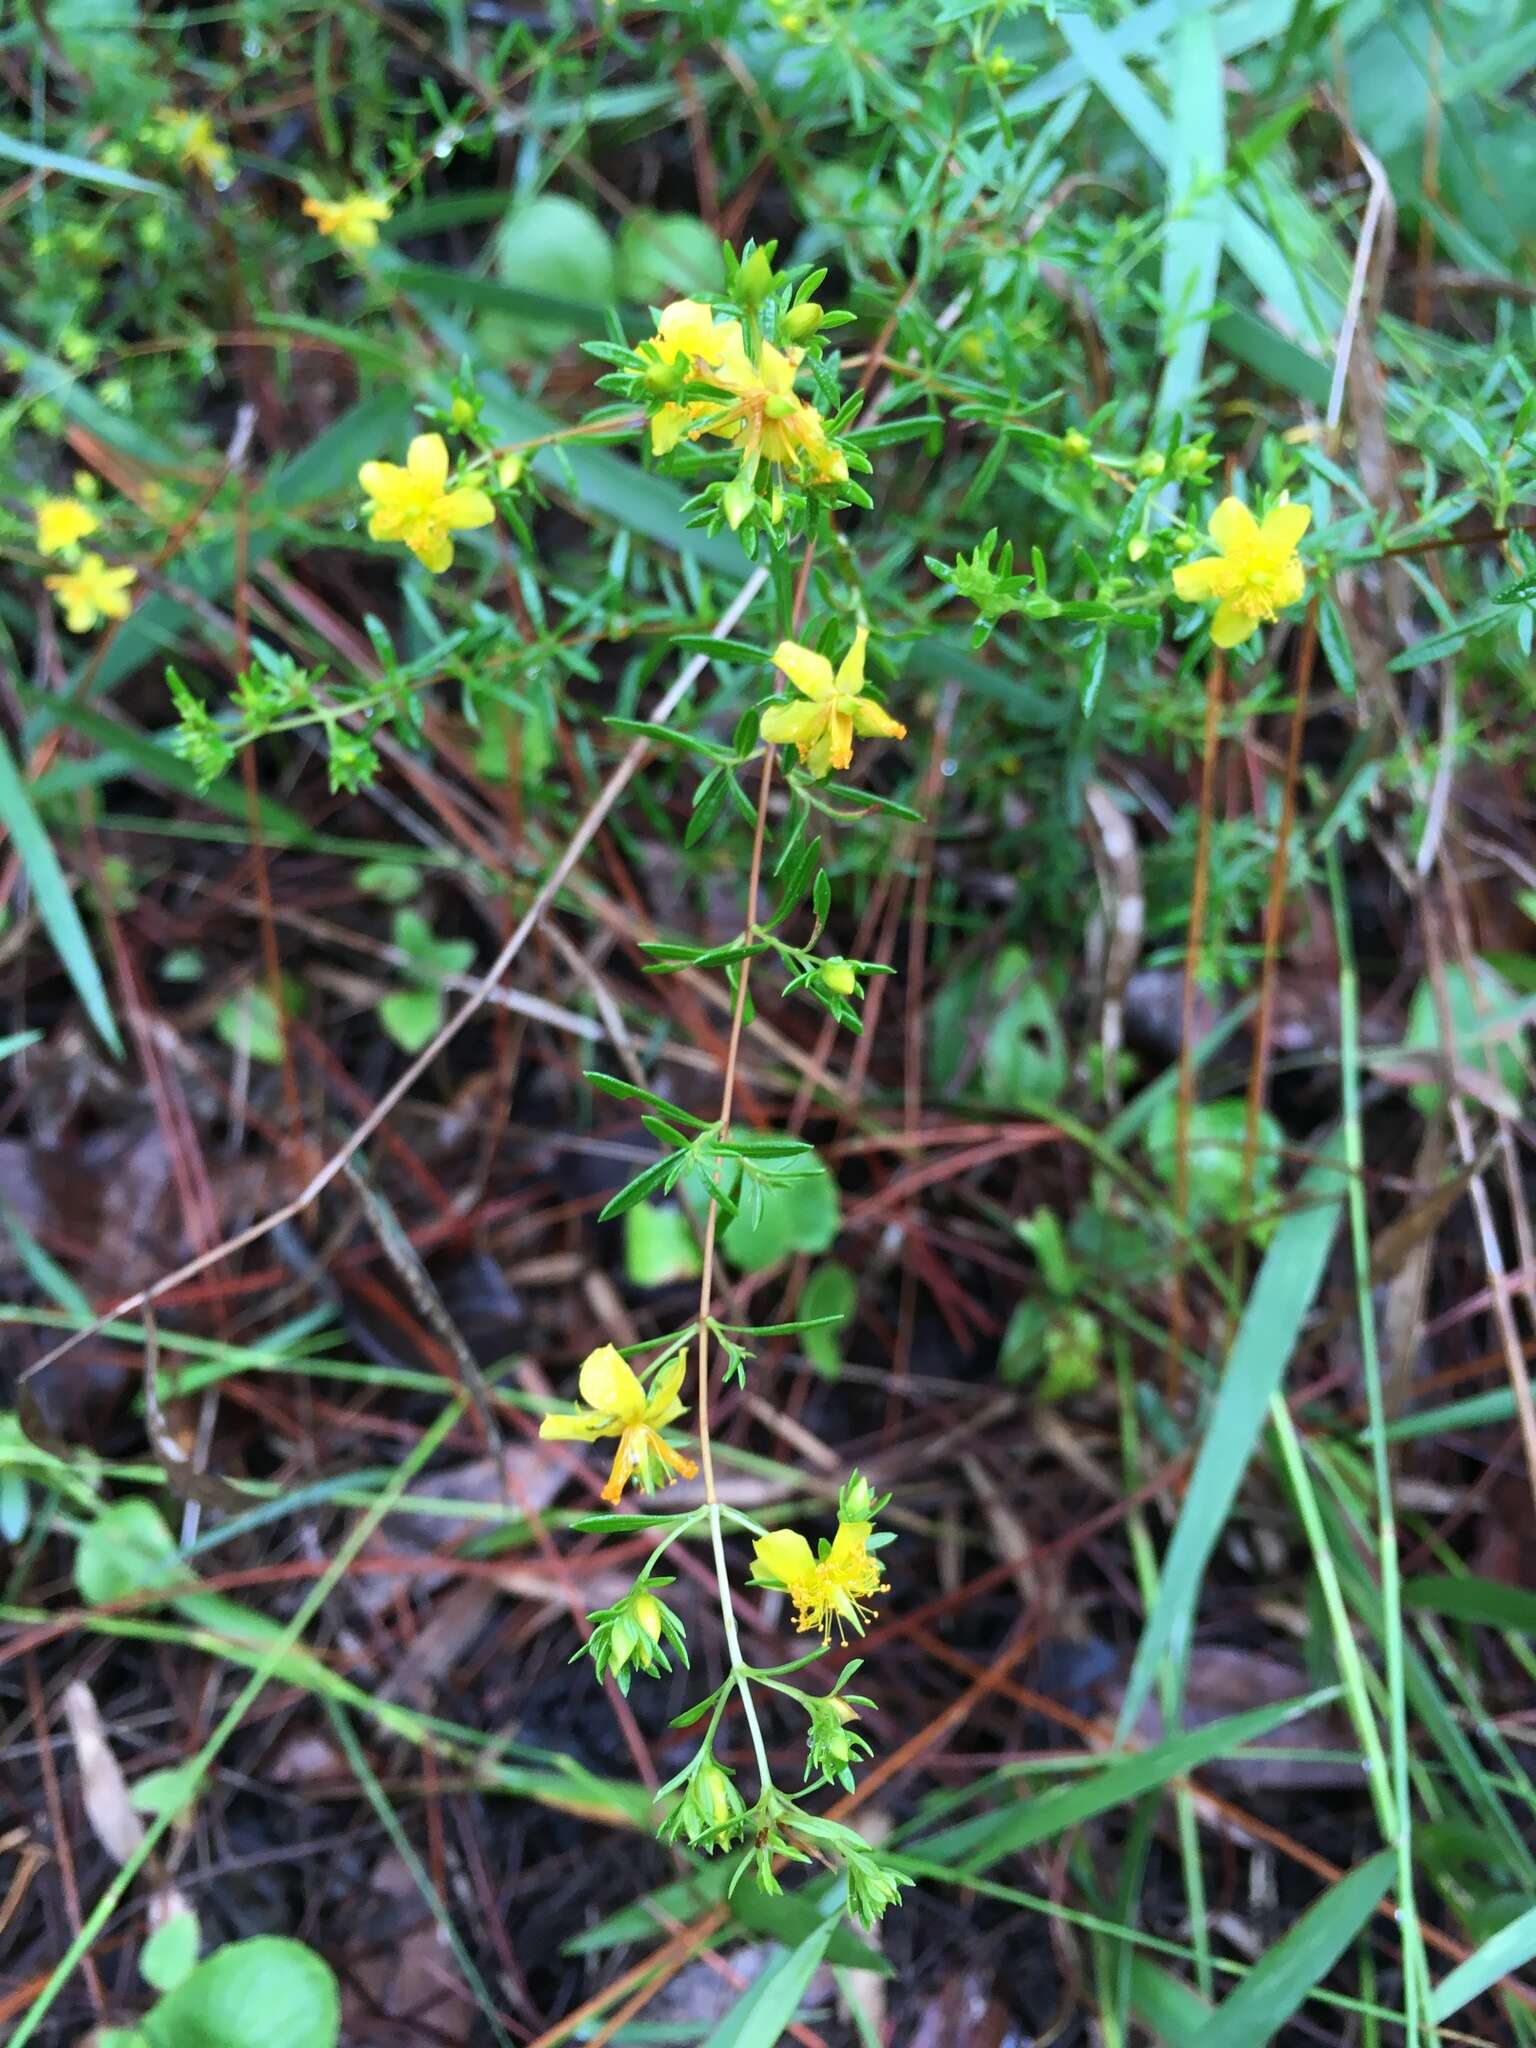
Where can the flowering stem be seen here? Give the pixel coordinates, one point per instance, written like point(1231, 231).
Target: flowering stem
point(706, 1285)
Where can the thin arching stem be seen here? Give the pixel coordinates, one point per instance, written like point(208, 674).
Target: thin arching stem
point(706, 1283)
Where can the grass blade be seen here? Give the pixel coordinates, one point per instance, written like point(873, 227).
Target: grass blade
point(1510, 1949)
point(55, 904)
point(1299, 1961)
point(972, 1844)
point(1282, 1294)
point(81, 167)
point(759, 2019)
point(1196, 208)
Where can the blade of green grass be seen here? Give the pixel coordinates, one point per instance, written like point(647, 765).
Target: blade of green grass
point(1276, 1986)
point(55, 902)
point(1282, 1294)
point(82, 167)
point(1488, 1601)
point(1196, 210)
point(1510, 1949)
point(759, 2019)
point(971, 1845)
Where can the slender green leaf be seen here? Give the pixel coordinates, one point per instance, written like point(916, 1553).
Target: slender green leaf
point(81, 167)
point(759, 2019)
point(1196, 209)
point(55, 901)
point(1510, 1949)
point(1472, 1599)
point(1282, 1294)
point(972, 1845)
point(1276, 1985)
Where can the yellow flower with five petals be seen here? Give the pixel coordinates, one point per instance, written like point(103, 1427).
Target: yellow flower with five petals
point(771, 420)
point(352, 220)
point(92, 592)
point(829, 1590)
point(835, 707)
point(62, 523)
point(415, 505)
point(616, 1404)
point(1255, 572)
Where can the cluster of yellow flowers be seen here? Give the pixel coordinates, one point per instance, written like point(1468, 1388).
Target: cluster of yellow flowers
point(752, 403)
point(93, 589)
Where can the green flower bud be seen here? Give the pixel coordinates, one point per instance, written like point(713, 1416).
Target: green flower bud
point(802, 321)
point(755, 280)
point(1137, 546)
point(999, 67)
point(838, 977)
point(737, 500)
point(1152, 464)
point(664, 380)
point(1076, 444)
point(709, 1815)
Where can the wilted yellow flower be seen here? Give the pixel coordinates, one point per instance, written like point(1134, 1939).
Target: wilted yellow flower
point(825, 1590)
point(1255, 571)
point(195, 144)
point(92, 592)
point(823, 727)
point(352, 220)
point(62, 523)
point(770, 419)
point(615, 1404)
point(415, 505)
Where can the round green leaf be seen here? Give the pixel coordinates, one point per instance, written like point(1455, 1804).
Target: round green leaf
point(127, 1549)
point(667, 256)
point(264, 1993)
point(801, 1213)
point(553, 245)
point(170, 1954)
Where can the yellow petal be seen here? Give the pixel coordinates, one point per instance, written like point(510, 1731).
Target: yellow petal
point(811, 673)
point(466, 508)
point(871, 721)
point(839, 742)
point(668, 428)
point(850, 674)
point(1233, 525)
point(1283, 527)
point(434, 551)
point(1230, 627)
point(377, 478)
point(572, 1428)
point(608, 1385)
point(427, 460)
point(1290, 584)
point(1198, 582)
point(662, 1404)
point(849, 1542)
point(791, 724)
point(784, 1555)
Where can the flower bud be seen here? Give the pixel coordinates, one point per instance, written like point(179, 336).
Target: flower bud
point(462, 412)
point(509, 472)
point(838, 977)
point(999, 67)
point(664, 380)
point(754, 280)
point(1075, 443)
point(802, 321)
point(646, 1612)
point(737, 500)
point(1152, 464)
point(1137, 546)
point(856, 1503)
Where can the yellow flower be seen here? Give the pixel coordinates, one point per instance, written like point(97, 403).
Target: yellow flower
point(617, 1405)
point(415, 505)
point(92, 592)
point(823, 727)
point(824, 1590)
point(689, 330)
point(62, 523)
point(353, 220)
point(195, 144)
point(771, 420)
point(1255, 571)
